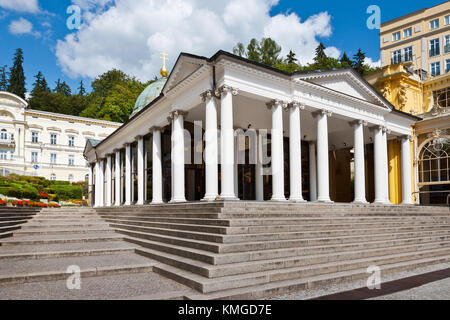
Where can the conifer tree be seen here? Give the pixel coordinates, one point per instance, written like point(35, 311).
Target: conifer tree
point(3, 79)
point(16, 83)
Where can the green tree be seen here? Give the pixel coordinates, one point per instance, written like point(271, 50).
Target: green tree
point(239, 50)
point(40, 84)
point(290, 59)
point(17, 76)
point(81, 89)
point(358, 63)
point(320, 53)
point(62, 88)
point(253, 51)
point(3, 78)
point(346, 61)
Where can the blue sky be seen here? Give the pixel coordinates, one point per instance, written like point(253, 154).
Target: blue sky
point(102, 44)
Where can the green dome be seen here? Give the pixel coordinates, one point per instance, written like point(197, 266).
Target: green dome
point(148, 95)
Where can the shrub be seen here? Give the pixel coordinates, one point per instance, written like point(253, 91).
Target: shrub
point(2, 203)
point(15, 192)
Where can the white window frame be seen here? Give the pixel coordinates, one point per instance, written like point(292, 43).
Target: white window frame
point(34, 136)
point(53, 177)
point(4, 134)
point(3, 155)
point(412, 53)
point(53, 158)
point(34, 157)
point(434, 41)
point(71, 160)
point(395, 34)
point(447, 65)
point(434, 24)
point(407, 32)
point(436, 63)
point(51, 139)
point(71, 140)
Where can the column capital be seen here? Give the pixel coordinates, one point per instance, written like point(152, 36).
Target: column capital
point(155, 128)
point(295, 104)
point(386, 130)
point(116, 150)
point(207, 95)
point(226, 89)
point(139, 137)
point(127, 144)
point(276, 103)
point(322, 112)
point(405, 137)
point(364, 123)
point(176, 113)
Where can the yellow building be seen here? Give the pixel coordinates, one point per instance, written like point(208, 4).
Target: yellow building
point(415, 78)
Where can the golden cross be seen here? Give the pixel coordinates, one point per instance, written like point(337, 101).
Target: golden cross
point(164, 58)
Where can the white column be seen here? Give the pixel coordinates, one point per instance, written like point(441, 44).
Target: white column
point(360, 177)
point(157, 167)
point(178, 171)
point(295, 153)
point(406, 171)
point(118, 178)
point(379, 164)
point(140, 170)
point(277, 150)
point(101, 191)
point(91, 184)
point(259, 172)
point(97, 184)
point(322, 156)
point(211, 148)
point(227, 142)
point(312, 171)
point(386, 165)
point(108, 181)
point(128, 175)
point(235, 166)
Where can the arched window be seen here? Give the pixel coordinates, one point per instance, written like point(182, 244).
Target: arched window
point(86, 178)
point(3, 135)
point(53, 177)
point(434, 162)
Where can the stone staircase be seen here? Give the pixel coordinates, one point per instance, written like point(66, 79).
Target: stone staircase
point(248, 250)
point(12, 218)
point(34, 260)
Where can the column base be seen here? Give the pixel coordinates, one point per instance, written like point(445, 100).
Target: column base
point(127, 204)
point(210, 198)
point(157, 202)
point(407, 204)
point(278, 199)
point(231, 197)
point(177, 201)
point(381, 202)
point(324, 200)
point(297, 199)
point(139, 204)
point(360, 202)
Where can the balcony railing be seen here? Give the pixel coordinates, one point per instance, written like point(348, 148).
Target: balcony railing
point(7, 142)
point(402, 58)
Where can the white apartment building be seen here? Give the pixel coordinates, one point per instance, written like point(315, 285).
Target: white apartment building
point(39, 143)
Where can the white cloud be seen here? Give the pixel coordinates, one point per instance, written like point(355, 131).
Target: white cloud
point(130, 35)
point(22, 26)
point(31, 6)
point(373, 64)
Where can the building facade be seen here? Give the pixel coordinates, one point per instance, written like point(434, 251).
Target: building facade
point(415, 78)
point(226, 128)
point(45, 144)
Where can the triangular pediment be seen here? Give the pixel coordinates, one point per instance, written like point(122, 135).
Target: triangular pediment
point(347, 82)
point(185, 66)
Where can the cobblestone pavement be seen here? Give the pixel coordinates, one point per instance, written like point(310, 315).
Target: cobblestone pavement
point(439, 290)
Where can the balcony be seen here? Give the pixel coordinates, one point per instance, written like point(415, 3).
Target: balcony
point(402, 58)
point(9, 143)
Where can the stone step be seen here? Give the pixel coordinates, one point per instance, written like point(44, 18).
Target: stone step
point(276, 228)
point(12, 223)
point(64, 224)
point(4, 235)
point(217, 271)
point(277, 244)
point(9, 228)
point(205, 285)
point(15, 218)
point(52, 269)
point(61, 247)
point(273, 222)
point(239, 238)
point(61, 231)
point(63, 254)
point(259, 255)
point(287, 286)
point(53, 239)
